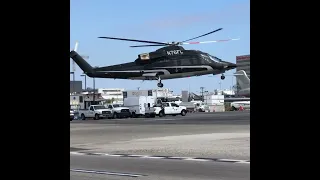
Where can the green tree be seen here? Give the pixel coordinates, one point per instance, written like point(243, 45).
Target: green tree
point(108, 101)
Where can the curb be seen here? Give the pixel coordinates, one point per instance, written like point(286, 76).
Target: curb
point(165, 157)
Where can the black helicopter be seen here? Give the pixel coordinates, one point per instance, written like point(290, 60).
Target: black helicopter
point(169, 62)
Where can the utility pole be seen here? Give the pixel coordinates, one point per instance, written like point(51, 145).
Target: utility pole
point(202, 93)
point(94, 90)
point(85, 81)
point(73, 81)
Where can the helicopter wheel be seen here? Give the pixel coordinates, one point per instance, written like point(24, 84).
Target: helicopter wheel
point(222, 77)
point(160, 85)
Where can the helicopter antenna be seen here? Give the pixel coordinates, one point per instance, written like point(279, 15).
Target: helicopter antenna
point(83, 56)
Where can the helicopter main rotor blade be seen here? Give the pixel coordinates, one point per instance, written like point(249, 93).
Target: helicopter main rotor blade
point(204, 42)
point(148, 45)
point(134, 40)
point(203, 35)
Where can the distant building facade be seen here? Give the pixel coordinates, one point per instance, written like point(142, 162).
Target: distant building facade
point(243, 63)
point(75, 86)
point(114, 94)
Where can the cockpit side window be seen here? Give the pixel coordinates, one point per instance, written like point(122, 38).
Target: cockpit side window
point(208, 58)
point(205, 59)
point(214, 58)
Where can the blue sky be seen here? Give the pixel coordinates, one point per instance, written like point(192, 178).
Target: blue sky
point(163, 21)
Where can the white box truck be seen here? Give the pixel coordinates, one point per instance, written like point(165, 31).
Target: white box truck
point(140, 105)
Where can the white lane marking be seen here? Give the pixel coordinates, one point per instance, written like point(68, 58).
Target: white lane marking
point(160, 119)
point(180, 157)
point(166, 157)
point(230, 160)
point(243, 162)
point(192, 159)
point(114, 155)
point(105, 172)
point(153, 157)
point(135, 155)
point(96, 153)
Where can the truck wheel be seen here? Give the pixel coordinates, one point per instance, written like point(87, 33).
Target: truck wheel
point(96, 117)
point(115, 115)
point(183, 112)
point(83, 117)
point(153, 115)
point(161, 114)
point(133, 115)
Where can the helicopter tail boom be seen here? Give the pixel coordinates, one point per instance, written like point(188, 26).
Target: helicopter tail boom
point(83, 64)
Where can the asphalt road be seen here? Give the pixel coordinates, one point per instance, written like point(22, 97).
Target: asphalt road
point(205, 135)
point(95, 167)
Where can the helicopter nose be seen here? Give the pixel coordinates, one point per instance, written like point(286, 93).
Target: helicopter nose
point(231, 65)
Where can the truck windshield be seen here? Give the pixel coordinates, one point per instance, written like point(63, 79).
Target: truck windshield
point(116, 105)
point(99, 107)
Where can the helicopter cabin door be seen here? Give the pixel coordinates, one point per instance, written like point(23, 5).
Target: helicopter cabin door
point(177, 64)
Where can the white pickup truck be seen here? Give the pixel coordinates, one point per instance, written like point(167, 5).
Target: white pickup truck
point(118, 111)
point(71, 114)
point(170, 108)
point(96, 112)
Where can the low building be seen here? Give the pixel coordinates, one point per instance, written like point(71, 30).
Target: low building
point(112, 94)
point(83, 101)
point(75, 87)
point(158, 93)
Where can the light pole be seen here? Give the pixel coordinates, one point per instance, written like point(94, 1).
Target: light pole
point(85, 81)
point(73, 81)
point(207, 92)
point(94, 90)
point(202, 93)
point(231, 84)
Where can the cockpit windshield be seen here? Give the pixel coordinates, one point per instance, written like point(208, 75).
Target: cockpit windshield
point(208, 57)
point(215, 59)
